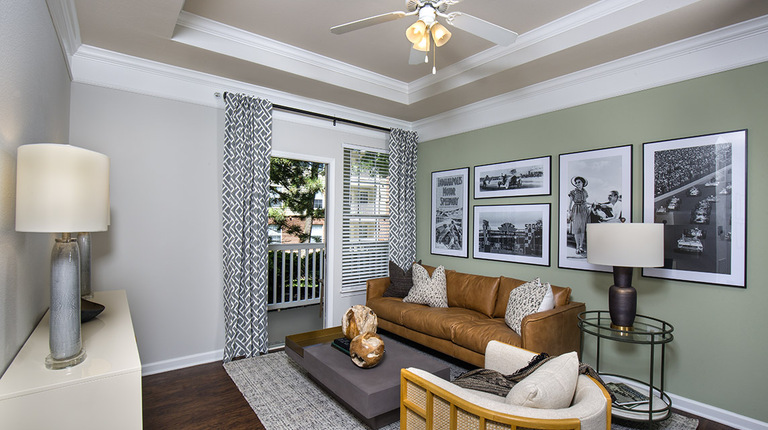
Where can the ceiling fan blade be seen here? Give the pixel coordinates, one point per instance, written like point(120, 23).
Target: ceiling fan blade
point(417, 57)
point(482, 28)
point(367, 22)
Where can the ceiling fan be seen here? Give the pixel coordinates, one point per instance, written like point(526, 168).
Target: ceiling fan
point(427, 32)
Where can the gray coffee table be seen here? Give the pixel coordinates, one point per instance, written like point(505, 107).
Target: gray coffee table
point(373, 395)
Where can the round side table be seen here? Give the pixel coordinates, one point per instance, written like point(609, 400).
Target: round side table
point(646, 331)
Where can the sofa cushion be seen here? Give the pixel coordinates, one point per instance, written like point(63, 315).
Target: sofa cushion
point(548, 302)
point(428, 290)
point(523, 301)
point(474, 292)
point(551, 386)
point(506, 285)
point(502, 298)
point(431, 269)
point(400, 280)
point(438, 322)
point(476, 334)
point(390, 308)
point(562, 295)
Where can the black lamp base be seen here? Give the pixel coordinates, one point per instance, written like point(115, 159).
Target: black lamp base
point(622, 299)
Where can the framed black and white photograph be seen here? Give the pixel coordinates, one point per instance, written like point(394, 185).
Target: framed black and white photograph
point(697, 187)
point(450, 210)
point(512, 233)
point(530, 177)
point(595, 187)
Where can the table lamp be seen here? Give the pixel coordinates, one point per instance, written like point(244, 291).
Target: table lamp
point(62, 189)
point(624, 246)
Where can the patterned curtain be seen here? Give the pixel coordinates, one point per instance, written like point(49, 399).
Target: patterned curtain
point(245, 193)
point(402, 196)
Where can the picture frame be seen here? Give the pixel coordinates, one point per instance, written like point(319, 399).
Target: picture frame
point(528, 177)
point(512, 233)
point(605, 197)
point(697, 187)
point(450, 213)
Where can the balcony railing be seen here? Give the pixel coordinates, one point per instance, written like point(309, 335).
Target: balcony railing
point(296, 273)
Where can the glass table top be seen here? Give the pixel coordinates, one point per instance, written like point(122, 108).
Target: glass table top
point(645, 329)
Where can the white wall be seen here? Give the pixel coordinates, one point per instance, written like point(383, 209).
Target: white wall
point(34, 108)
point(164, 243)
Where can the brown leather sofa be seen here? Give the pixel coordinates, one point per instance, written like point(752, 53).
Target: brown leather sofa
point(475, 316)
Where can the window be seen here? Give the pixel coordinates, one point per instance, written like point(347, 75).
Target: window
point(316, 233)
point(365, 235)
point(274, 235)
point(319, 201)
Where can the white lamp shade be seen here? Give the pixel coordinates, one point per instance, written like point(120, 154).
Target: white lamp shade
point(61, 189)
point(626, 244)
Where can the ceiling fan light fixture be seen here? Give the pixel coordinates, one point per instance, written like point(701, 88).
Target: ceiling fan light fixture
point(416, 32)
point(440, 34)
point(423, 44)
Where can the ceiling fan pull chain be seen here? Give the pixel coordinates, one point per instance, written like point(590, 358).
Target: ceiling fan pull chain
point(434, 59)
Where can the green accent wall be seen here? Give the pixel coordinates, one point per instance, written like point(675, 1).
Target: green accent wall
point(721, 344)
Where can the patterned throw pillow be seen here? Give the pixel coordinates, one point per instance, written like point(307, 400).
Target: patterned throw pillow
point(400, 281)
point(428, 291)
point(523, 301)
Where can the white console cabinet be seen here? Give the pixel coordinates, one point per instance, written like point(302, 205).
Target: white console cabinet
point(102, 392)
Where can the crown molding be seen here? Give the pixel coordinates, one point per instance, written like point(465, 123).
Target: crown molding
point(591, 22)
point(220, 38)
point(556, 36)
point(67, 28)
point(720, 50)
point(717, 51)
point(100, 67)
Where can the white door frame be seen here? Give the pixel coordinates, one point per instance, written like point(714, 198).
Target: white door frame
point(330, 225)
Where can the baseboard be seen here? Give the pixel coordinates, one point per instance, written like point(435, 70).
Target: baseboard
point(709, 412)
point(713, 413)
point(181, 362)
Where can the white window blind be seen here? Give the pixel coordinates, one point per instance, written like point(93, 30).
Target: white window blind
point(365, 236)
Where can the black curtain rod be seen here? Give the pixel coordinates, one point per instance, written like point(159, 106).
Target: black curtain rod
point(324, 116)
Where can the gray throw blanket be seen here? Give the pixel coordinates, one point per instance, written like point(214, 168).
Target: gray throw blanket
point(491, 381)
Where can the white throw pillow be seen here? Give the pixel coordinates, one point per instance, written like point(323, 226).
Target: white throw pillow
point(428, 291)
point(549, 299)
point(551, 386)
point(523, 301)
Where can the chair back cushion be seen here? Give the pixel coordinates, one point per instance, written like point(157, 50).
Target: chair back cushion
point(551, 386)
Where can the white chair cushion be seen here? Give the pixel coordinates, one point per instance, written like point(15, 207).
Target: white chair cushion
point(551, 386)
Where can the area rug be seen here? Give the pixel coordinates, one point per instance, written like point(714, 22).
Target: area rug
point(285, 398)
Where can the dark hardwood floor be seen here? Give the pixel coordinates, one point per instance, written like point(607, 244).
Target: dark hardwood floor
point(204, 397)
point(198, 397)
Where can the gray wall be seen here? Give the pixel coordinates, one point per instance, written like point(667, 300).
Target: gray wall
point(164, 242)
point(34, 108)
point(720, 346)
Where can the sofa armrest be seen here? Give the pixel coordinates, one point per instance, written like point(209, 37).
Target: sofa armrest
point(555, 331)
point(375, 288)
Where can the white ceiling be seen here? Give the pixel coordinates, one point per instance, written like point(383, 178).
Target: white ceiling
point(286, 45)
